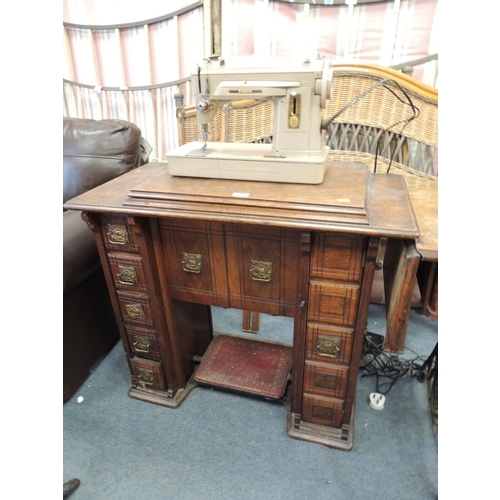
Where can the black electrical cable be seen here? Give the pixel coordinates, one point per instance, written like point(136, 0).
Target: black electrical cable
point(387, 368)
point(382, 83)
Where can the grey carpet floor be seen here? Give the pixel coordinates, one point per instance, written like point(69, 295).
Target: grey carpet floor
point(225, 446)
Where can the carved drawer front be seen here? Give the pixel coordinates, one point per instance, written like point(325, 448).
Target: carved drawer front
point(195, 261)
point(262, 265)
point(329, 344)
point(127, 272)
point(135, 309)
point(143, 342)
point(148, 374)
point(325, 380)
point(117, 234)
point(333, 303)
point(322, 410)
point(337, 257)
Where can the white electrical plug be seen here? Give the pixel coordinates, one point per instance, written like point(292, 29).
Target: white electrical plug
point(377, 401)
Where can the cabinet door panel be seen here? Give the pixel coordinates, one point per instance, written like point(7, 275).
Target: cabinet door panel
point(195, 261)
point(262, 268)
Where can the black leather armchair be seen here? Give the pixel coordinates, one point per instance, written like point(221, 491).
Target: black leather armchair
point(94, 152)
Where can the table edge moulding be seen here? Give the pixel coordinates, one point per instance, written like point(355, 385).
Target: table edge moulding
point(172, 247)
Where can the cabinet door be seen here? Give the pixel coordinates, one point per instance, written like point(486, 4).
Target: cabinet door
point(231, 265)
point(195, 261)
point(262, 265)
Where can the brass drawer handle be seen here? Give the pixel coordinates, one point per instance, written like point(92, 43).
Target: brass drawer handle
point(192, 262)
point(118, 234)
point(146, 377)
point(127, 275)
point(328, 347)
point(261, 271)
point(142, 344)
point(135, 311)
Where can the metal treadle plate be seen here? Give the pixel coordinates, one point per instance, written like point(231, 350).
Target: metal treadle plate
point(246, 365)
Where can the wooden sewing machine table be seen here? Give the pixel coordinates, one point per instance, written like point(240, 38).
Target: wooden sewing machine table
point(171, 247)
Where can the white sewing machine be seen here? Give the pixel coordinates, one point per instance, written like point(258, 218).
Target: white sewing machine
point(297, 153)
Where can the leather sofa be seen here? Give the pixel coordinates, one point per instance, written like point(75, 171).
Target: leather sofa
point(94, 152)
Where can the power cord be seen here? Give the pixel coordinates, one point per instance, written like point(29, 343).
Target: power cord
point(387, 368)
point(326, 123)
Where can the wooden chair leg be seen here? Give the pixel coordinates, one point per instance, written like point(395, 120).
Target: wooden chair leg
point(251, 322)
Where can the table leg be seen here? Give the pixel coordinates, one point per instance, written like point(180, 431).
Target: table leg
point(251, 322)
point(400, 270)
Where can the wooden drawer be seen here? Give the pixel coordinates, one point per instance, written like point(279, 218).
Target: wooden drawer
point(230, 265)
point(143, 342)
point(333, 303)
point(195, 261)
point(127, 272)
point(322, 410)
point(148, 374)
point(136, 309)
point(262, 265)
point(329, 344)
point(337, 258)
point(325, 380)
point(117, 234)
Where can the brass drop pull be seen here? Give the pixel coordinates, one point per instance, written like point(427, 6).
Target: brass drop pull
point(261, 271)
point(328, 347)
point(142, 344)
point(127, 275)
point(135, 311)
point(146, 377)
point(192, 262)
point(118, 234)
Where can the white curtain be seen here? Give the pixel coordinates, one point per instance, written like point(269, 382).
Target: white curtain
point(388, 33)
point(122, 61)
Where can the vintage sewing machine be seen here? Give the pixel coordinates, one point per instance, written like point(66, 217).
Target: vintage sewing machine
point(297, 153)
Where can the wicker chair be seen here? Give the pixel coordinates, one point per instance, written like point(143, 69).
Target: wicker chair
point(389, 121)
point(378, 114)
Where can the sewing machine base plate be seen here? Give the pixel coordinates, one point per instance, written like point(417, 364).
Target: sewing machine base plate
point(250, 162)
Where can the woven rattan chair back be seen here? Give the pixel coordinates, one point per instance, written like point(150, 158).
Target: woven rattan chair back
point(236, 121)
point(248, 121)
point(371, 106)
